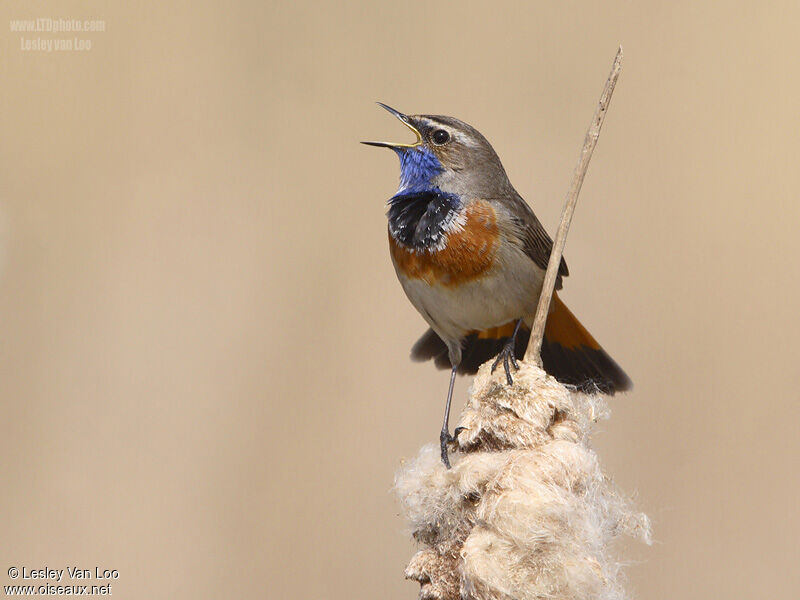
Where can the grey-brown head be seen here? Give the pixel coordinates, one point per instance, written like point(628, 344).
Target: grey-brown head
point(448, 155)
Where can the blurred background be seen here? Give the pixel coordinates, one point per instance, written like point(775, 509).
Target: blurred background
point(204, 366)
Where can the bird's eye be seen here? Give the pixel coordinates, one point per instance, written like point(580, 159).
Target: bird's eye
point(440, 136)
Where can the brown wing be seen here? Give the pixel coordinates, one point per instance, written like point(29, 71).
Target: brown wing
point(535, 241)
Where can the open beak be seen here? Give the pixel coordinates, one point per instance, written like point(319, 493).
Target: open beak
point(405, 121)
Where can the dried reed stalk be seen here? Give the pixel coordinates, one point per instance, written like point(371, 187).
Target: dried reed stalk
point(533, 353)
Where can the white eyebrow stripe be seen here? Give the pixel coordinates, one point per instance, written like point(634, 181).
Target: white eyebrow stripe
point(458, 135)
point(465, 139)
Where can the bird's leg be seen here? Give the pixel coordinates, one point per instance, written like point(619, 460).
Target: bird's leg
point(445, 437)
point(508, 353)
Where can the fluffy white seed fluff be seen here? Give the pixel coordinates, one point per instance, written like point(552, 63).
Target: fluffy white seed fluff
point(526, 511)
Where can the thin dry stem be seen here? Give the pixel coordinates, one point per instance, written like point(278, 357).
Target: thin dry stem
point(533, 353)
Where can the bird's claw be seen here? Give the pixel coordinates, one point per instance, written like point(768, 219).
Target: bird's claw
point(444, 440)
point(506, 355)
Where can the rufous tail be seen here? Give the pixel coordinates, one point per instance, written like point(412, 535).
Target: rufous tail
point(569, 352)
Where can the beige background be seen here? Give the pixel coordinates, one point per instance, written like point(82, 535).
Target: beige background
point(204, 364)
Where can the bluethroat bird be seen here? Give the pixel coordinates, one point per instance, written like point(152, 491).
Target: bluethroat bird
point(471, 256)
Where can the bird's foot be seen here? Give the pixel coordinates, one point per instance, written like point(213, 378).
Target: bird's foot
point(444, 439)
point(507, 356)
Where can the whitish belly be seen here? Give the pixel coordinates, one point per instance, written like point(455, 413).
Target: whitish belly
point(507, 292)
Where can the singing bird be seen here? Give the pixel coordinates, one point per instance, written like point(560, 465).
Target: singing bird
point(471, 257)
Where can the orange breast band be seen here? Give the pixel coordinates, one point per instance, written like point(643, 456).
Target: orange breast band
point(467, 254)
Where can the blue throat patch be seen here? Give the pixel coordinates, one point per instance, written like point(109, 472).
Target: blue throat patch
point(418, 166)
point(419, 213)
